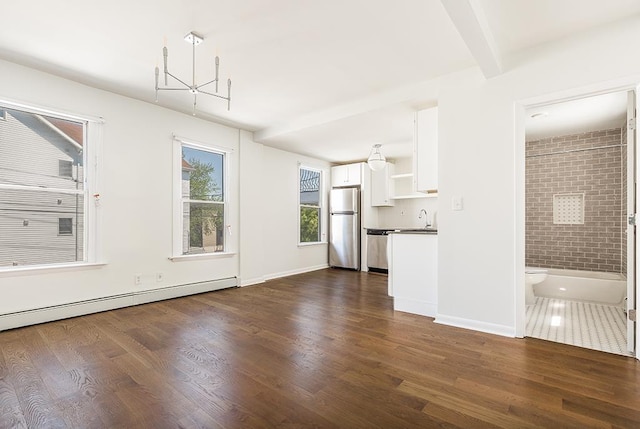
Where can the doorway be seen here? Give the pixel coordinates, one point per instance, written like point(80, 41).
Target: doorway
point(579, 190)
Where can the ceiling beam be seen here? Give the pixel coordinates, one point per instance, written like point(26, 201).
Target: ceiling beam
point(415, 93)
point(470, 21)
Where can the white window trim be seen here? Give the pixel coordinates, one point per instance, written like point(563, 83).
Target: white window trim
point(321, 199)
point(47, 111)
point(93, 135)
point(176, 253)
point(49, 268)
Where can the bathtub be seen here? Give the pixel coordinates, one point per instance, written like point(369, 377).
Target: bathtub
point(589, 286)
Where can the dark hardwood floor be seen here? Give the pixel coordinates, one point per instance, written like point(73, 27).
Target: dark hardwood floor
point(323, 349)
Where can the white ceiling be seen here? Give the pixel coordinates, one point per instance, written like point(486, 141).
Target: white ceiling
point(594, 113)
point(324, 78)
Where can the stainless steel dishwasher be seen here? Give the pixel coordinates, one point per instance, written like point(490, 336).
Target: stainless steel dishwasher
point(377, 250)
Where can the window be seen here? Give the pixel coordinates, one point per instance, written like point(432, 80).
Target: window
point(3, 114)
point(310, 197)
point(65, 168)
point(41, 204)
point(202, 199)
point(65, 226)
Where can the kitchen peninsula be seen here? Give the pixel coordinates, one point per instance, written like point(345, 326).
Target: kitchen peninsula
point(413, 271)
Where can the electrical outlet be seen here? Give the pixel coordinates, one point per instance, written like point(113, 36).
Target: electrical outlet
point(137, 279)
point(159, 277)
point(456, 203)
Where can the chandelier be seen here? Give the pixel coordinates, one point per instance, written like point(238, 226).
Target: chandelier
point(194, 39)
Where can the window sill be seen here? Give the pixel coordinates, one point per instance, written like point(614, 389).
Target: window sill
point(316, 243)
point(46, 269)
point(181, 258)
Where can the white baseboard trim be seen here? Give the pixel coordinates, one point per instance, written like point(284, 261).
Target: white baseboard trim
point(475, 325)
point(80, 308)
point(253, 281)
point(152, 295)
point(414, 306)
point(294, 272)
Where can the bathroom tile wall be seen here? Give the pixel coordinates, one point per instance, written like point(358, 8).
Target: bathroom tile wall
point(595, 245)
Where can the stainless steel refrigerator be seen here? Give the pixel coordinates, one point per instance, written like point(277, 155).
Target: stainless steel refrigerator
point(344, 234)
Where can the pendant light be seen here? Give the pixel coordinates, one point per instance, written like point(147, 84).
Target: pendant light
point(376, 160)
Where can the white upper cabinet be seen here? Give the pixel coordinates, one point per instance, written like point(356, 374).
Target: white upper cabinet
point(346, 175)
point(382, 187)
point(425, 151)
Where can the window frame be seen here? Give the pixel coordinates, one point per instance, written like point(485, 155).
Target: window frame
point(92, 149)
point(321, 219)
point(179, 200)
point(65, 234)
point(66, 163)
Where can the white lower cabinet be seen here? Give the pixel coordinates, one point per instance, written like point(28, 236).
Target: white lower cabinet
point(413, 273)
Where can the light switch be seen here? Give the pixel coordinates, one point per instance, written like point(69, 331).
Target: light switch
point(456, 203)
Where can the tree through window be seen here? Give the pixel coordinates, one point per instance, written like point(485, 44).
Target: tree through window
point(203, 200)
point(310, 205)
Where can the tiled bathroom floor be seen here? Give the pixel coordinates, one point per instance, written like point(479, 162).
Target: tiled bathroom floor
point(582, 324)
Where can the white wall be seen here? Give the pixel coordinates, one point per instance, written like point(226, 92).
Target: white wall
point(282, 255)
point(135, 192)
point(253, 206)
point(136, 200)
point(481, 159)
point(269, 214)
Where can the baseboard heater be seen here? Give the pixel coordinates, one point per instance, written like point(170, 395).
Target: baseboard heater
point(79, 308)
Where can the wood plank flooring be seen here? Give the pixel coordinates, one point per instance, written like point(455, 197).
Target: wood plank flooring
point(318, 350)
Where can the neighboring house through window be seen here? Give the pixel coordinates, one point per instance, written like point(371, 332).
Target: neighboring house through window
point(310, 205)
point(202, 199)
point(43, 207)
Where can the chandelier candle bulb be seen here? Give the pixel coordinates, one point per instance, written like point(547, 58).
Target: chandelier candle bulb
point(217, 67)
point(157, 74)
point(165, 53)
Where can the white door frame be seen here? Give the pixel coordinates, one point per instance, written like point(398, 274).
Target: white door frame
point(631, 209)
point(520, 107)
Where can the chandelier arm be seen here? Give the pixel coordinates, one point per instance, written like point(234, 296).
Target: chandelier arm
point(180, 80)
point(205, 84)
point(215, 95)
point(174, 89)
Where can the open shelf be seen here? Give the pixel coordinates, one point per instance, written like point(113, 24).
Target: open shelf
point(401, 176)
point(416, 195)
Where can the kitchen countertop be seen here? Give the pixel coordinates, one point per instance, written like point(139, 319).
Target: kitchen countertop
point(406, 230)
point(429, 231)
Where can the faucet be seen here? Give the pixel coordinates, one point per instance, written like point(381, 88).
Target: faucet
point(426, 218)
